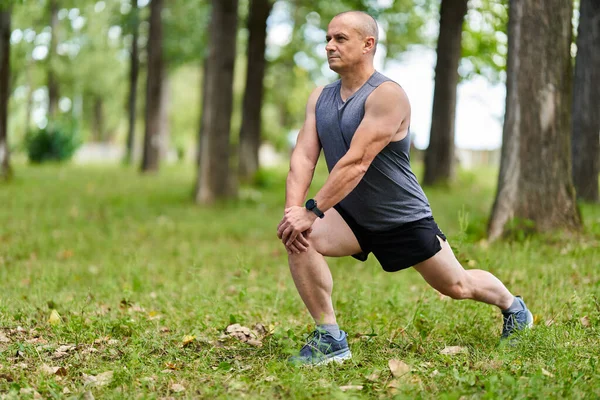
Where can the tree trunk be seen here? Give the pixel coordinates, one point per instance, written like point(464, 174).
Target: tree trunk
point(253, 95)
point(52, 80)
point(5, 170)
point(213, 173)
point(165, 131)
point(535, 185)
point(134, 72)
point(154, 87)
point(204, 112)
point(586, 103)
point(439, 157)
point(98, 120)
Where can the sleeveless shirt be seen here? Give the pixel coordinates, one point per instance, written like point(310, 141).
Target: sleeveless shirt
point(389, 194)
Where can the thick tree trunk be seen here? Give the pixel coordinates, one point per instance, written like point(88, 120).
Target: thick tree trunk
point(253, 95)
point(134, 71)
point(213, 173)
point(52, 79)
point(439, 157)
point(154, 87)
point(5, 19)
point(586, 103)
point(535, 175)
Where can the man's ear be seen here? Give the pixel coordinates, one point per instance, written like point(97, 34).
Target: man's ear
point(368, 44)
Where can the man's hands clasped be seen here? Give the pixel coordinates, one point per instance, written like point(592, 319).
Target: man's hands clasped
point(295, 228)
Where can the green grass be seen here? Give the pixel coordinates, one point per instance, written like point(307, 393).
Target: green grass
point(132, 266)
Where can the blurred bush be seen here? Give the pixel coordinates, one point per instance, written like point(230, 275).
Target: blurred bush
point(58, 141)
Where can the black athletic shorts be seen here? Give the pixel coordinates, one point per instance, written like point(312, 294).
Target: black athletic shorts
point(398, 248)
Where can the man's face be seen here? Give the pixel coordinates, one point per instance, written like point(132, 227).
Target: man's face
point(345, 44)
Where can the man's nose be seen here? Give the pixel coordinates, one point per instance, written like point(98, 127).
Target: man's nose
point(330, 47)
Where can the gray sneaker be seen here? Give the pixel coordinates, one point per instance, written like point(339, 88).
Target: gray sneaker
point(322, 348)
point(517, 321)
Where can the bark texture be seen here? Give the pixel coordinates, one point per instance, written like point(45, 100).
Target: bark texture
point(5, 22)
point(154, 87)
point(535, 174)
point(439, 157)
point(214, 171)
point(134, 71)
point(586, 103)
point(250, 131)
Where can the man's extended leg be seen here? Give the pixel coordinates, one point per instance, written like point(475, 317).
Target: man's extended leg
point(445, 274)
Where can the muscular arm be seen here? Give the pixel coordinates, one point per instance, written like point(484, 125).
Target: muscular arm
point(387, 115)
point(386, 118)
point(304, 157)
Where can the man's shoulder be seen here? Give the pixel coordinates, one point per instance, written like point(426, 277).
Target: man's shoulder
point(332, 85)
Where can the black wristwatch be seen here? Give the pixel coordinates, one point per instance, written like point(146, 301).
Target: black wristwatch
point(311, 205)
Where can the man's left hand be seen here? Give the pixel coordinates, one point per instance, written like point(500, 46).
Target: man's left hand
point(295, 221)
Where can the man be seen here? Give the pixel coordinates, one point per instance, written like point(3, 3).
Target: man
point(371, 201)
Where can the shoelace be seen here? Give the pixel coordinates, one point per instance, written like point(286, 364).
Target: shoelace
point(511, 322)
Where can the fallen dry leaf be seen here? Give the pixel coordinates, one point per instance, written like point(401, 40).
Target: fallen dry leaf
point(54, 318)
point(585, 321)
point(452, 350)
point(254, 342)
point(374, 377)
point(398, 368)
point(65, 254)
point(3, 338)
point(177, 388)
point(171, 366)
point(48, 370)
point(188, 339)
point(351, 387)
point(547, 373)
point(102, 379)
point(244, 334)
point(394, 384)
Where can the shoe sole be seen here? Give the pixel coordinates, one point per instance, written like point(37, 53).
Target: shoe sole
point(529, 319)
point(337, 358)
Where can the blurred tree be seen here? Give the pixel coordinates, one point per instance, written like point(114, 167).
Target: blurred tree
point(586, 103)
point(5, 31)
point(439, 157)
point(250, 132)
point(535, 185)
point(153, 137)
point(213, 173)
point(53, 91)
point(134, 71)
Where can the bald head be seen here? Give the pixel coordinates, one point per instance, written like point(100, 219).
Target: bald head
point(362, 22)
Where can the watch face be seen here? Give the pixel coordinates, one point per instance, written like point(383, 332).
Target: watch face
point(310, 204)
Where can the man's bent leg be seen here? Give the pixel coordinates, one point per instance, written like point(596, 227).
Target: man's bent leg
point(332, 237)
point(445, 274)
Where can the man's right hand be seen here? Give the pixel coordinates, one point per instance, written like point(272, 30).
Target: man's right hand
point(300, 245)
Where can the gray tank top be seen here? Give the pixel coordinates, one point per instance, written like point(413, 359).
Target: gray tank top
point(389, 194)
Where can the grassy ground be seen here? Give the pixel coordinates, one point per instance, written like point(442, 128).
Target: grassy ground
point(145, 284)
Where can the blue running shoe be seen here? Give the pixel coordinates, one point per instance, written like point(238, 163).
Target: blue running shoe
point(516, 321)
point(322, 348)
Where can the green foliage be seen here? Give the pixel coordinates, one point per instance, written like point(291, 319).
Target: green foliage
point(484, 40)
point(56, 142)
point(133, 266)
